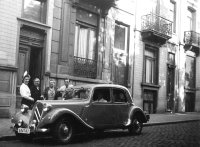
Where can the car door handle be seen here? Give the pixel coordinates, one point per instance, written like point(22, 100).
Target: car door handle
point(87, 106)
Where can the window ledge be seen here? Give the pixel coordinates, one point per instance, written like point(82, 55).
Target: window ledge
point(150, 85)
point(11, 68)
point(32, 23)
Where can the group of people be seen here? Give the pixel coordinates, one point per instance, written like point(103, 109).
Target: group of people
point(31, 94)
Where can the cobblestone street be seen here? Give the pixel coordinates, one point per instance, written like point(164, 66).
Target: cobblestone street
point(171, 135)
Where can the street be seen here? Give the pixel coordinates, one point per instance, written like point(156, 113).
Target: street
point(180, 135)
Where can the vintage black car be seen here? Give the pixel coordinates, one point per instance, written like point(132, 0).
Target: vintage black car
point(87, 108)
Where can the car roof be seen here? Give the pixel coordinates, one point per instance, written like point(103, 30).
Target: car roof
point(100, 85)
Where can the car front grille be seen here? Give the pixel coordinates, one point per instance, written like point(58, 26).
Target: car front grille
point(37, 112)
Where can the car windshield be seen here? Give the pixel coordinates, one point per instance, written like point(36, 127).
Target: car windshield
point(77, 93)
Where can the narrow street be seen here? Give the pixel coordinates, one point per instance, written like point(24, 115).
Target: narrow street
point(171, 135)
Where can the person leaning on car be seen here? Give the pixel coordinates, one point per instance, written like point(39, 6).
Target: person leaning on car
point(63, 89)
point(25, 91)
point(51, 92)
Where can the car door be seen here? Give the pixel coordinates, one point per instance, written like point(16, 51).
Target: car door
point(121, 106)
point(99, 114)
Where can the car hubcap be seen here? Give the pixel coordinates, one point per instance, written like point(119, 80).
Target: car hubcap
point(137, 125)
point(65, 131)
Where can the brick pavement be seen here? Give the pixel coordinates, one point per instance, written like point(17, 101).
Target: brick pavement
point(155, 119)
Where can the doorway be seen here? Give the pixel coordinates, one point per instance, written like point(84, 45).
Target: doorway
point(189, 102)
point(30, 60)
point(170, 88)
point(120, 54)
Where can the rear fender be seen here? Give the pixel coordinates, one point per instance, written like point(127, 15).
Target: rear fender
point(55, 114)
point(137, 111)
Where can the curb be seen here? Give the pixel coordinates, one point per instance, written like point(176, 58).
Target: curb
point(171, 122)
point(13, 138)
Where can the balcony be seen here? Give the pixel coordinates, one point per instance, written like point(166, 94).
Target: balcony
point(192, 41)
point(156, 29)
point(85, 68)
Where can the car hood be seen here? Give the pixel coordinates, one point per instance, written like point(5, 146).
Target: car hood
point(77, 106)
point(64, 102)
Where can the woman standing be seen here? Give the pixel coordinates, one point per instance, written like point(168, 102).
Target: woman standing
point(25, 91)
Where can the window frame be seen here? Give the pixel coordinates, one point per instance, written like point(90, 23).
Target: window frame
point(43, 13)
point(89, 26)
point(174, 15)
point(154, 70)
point(194, 78)
point(121, 91)
point(96, 90)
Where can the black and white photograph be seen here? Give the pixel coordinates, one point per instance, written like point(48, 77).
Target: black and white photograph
point(100, 73)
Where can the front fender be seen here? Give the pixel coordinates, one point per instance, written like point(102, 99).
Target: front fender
point(53, 115)
point(25, 117)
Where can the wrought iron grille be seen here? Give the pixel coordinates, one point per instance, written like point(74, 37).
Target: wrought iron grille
point(191, 37)
point(86, 68)
point(157, 23)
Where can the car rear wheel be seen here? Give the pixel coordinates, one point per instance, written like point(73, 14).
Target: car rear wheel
point(63, 130)
point(136, 126)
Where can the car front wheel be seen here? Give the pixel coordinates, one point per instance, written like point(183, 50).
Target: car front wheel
point(63, 130)
point(136, 126)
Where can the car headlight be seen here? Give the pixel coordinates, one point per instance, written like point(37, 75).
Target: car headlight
point(47, 107)
point(20, 123)
point(24, 108)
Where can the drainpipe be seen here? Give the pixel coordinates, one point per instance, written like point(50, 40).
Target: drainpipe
point(134, 46)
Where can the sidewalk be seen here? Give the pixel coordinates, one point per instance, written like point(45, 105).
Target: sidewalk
point(6, 132)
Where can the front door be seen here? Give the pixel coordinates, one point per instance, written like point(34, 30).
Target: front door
point(170, 88)
point(189, 102)
point(120, 55)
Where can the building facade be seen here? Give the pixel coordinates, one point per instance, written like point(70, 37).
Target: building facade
point(152, 49)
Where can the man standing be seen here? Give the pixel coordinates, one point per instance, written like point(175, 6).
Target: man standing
point(35, 90)
point(63, 88)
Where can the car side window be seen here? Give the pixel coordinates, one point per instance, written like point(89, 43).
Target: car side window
point(101, 95)
point(119, 95)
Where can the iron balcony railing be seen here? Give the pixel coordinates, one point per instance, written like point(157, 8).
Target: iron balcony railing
point(157, 24)
point(192, 38)
point(85, 67)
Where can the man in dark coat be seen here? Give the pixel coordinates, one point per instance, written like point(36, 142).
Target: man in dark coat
point(35, 90)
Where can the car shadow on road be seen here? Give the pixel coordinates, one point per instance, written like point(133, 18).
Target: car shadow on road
point(83, 138)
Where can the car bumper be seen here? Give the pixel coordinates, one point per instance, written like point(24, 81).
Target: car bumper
point(33, 130)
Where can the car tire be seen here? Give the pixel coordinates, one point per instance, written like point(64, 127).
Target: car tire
point(63, 130)
point(136, 126)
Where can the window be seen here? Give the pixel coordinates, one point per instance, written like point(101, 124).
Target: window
point(120, 37)
point(35, 10)
point(119, 96)
point(173, 15)
point(101, 95)
point(150, 57)
point(171, 58)
point(190, 20)
point(85, 35)
point(190, 72)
